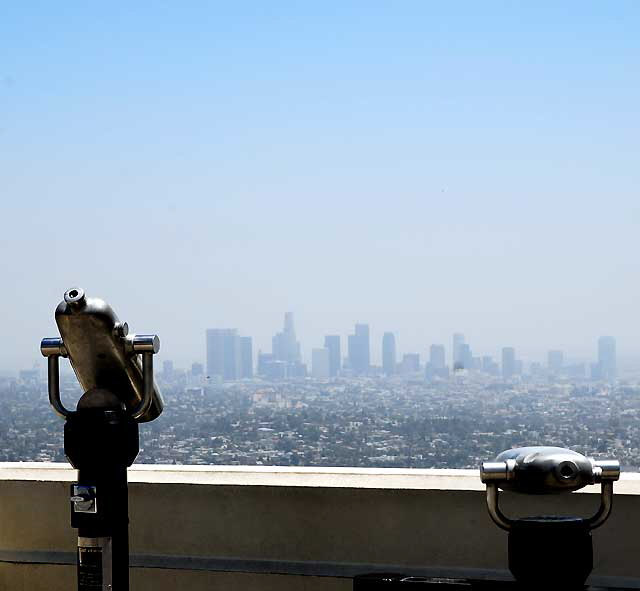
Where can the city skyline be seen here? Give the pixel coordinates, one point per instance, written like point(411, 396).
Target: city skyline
point(224, 347)
point(585, 353)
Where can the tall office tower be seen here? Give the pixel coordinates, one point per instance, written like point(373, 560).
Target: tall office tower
point(388, 354)
point(607, 358)
point(458, 341)
point(279, 346)
point(332, 342)
point(465, 357)
point(246, 357)
point(555, 361)
point(224, 353)
point(437, 357)
point(167, 369)
point(197, 369)
point(508, 362)
point(437, 366)
point(358, 345)
point(321, 363)
point(285, 347)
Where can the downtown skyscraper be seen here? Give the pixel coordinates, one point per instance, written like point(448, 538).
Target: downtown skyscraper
point(332, 342)
point(388, 354)
point(284, 345)
point(285, 360)
point(229, 356)
point(458, 341)
point(437, 357)
point(607, 362)
point(508, 362)
point(436, 367)
point(358, 349)
point(246, 357)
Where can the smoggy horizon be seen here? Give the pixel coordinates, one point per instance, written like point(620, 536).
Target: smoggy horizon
point(427, 170)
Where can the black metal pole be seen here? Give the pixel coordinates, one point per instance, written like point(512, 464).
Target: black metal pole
point(101, 444)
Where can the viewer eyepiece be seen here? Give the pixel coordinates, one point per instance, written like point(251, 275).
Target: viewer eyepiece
point(74, 296)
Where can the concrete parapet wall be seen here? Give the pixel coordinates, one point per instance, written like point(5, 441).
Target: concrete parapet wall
point(195, 527)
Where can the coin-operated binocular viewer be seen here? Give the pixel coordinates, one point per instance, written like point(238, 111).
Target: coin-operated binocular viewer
point(549, 550)
point(101, 439)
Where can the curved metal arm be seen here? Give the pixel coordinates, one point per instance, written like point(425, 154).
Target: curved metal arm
point(147, 345)
point(494, 510)
point(147, 386)
point(54, 386)
point(499, 518)
point(53, 349)
point(606, 504)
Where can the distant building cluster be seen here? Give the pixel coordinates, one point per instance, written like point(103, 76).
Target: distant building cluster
point(452, 409)
point(230, 358)
point(356, 421)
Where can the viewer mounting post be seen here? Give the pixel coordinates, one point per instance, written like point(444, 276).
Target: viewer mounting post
point(101, 438)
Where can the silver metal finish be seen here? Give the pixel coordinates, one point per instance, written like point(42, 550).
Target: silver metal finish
point(53, 349)
point(547, 470)
point(147, 380)
point(497, 471)
point(53, 346)
point(606, 504)
point(494, 510)
point(103, 355)
point(121, 329)
point(74, 296)
point(606, 470)
point(142, 343)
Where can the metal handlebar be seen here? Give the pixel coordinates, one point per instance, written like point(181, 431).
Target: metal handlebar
point(547, 470)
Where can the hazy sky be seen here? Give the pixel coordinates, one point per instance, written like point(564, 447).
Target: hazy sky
point(427, 167)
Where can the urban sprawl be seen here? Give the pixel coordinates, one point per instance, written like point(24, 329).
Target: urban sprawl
point(346, 412)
